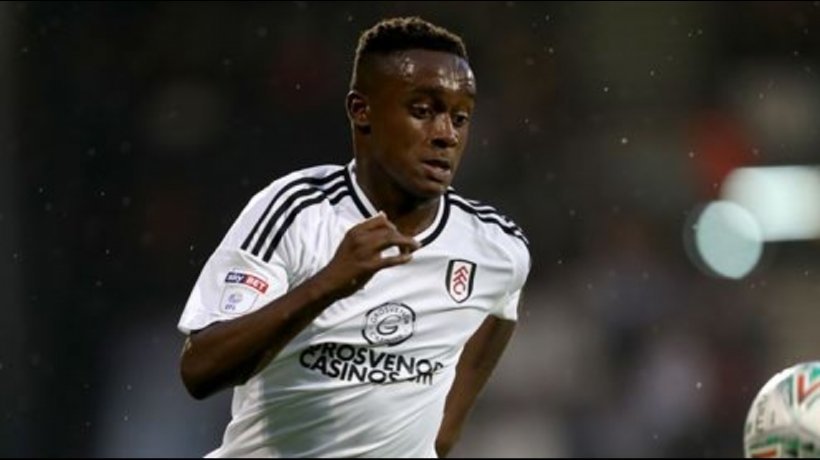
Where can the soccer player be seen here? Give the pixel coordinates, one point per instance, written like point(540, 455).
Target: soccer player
point(358, 310)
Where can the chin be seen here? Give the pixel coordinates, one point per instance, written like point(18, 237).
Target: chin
point(430, 190)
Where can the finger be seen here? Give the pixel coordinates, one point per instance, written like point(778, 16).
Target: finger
point(379, 220)
point(385, 238)
point(393, 261)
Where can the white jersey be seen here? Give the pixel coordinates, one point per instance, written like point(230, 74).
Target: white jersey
point(369, 376)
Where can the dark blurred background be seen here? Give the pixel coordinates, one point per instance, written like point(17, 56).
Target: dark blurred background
point(132, 134)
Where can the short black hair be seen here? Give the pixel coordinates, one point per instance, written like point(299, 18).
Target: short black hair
point(405, 33)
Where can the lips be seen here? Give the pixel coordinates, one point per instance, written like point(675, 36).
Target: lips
point(438, 169)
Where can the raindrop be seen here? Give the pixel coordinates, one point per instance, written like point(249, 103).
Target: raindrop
point(560, 262)
point(262, 32)
point(92, 152)
point(624, 140)
point(606, 89)
point(298, 86)
point(699, 385)
point(24, 50)
point(107, 252)
point(124, 418)
point(691, 154)
point(98, 283)
point(547, 18)
point(651, 73)
point(191, 247)
point(128, 387)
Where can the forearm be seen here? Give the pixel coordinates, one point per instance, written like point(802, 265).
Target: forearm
point(477, 362)
point(228, 353)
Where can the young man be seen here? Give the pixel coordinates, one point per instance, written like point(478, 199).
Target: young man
point(358, 310)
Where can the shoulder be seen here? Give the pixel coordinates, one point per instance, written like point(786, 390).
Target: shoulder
point(316, 178)
point(288, 201)
point(495, 229)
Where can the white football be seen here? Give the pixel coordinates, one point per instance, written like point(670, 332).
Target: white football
point(784, 419)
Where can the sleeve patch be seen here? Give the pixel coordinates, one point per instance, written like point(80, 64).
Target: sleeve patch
point(237, 299)
point(254, 282)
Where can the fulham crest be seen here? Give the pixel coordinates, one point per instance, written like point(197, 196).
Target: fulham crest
point(460, 276)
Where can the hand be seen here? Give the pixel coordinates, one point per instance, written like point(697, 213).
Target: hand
point(359, 255)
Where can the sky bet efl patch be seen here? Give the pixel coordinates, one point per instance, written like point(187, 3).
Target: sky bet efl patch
point(240, 291)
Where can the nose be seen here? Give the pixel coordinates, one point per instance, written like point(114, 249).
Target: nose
point(445, 134)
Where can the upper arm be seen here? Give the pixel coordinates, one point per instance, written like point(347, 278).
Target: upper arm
point(487, 344)
point(519, 268)
point(236, 279)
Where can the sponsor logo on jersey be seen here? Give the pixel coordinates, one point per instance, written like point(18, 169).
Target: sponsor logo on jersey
point(363, 364)
point(459, 280)
point(247, 279)
point(389, 324)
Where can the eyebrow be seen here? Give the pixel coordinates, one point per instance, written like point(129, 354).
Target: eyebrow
point(437, 90)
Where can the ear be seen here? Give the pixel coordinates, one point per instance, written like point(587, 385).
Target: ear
point(358, 111)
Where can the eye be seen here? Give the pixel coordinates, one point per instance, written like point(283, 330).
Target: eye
point(460, 119)
point(421, 111)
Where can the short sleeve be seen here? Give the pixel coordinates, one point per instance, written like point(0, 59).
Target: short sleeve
point(241, 276)
point(507, 307)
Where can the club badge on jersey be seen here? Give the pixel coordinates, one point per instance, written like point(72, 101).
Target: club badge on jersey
point(241, 291)
point(460, 276)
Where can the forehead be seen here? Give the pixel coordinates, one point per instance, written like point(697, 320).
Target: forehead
point(429, 69)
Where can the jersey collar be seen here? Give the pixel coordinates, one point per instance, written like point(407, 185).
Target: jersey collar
point(368, 210)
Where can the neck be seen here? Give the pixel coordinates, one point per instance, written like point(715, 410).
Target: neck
point(410, 214)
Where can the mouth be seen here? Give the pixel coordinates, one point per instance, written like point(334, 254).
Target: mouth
point(438, 169)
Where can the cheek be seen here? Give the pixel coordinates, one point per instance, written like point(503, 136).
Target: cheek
point(404, 132)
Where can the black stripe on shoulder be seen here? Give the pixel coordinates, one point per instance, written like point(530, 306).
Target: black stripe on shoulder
point(288, 204)
point(292, 217)
point(309, 181)
point(490, 217)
